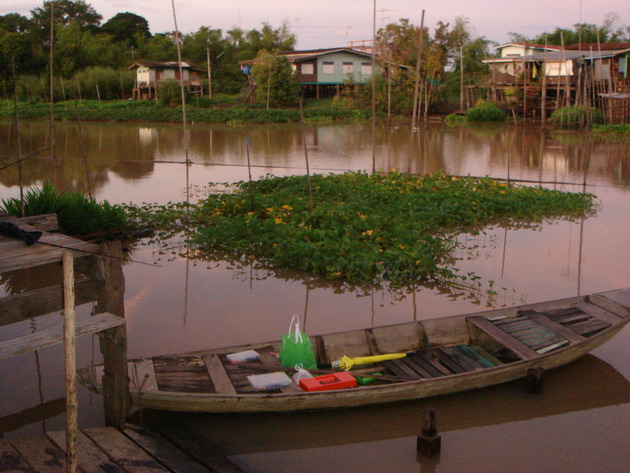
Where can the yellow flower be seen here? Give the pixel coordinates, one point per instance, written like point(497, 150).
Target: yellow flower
point(269, 209)
point(287, 207)
point(278, 220)
point(361, 216)
point(401, 246)
point(368, 232)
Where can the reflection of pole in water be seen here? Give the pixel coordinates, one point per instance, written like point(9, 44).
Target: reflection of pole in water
point(308, 290)
point(505, 232)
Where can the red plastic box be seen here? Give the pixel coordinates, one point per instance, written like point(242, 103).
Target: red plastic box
point(328, 382)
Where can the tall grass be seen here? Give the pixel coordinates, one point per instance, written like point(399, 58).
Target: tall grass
point(77, 214)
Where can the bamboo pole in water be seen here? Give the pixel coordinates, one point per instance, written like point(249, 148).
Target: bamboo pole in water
point(70, 362)
point(18, 142)
point(178, 42)
point(417, 80)
point(52, 93)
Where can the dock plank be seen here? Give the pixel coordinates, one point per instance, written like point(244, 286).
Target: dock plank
point(218, 375)
point(90, 458)
point(168, 454)
point(518, 348)
point(49, 337)
point(11, 461)
point(40, 454)
point(128, 455)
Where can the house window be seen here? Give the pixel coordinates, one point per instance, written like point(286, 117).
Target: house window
point(366, 68)
point(328, 68)
point(348, 67)
point(307, 69)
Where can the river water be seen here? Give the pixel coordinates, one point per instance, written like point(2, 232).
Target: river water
point(580, 421)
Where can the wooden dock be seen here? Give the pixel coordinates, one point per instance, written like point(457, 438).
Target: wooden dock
point(108, 450)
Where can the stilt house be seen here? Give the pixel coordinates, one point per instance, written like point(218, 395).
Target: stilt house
point(149, 74)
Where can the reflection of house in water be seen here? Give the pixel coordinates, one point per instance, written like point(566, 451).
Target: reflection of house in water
point(146, 135)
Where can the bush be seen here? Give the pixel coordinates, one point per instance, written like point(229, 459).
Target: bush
point(169, 93)
point(453, 119)
point(486, 112)
point(76, 213)
point(577, 116)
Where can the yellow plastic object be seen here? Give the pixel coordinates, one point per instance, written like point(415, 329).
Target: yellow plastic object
point(346, 363)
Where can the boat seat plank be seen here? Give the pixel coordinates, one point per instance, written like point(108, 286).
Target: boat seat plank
point(354, 343)
point(621, 297)
point(131, 457)
point(182, 374)
point(89, 457)
point(40, 454)
point(164, 451)
point(608, 302)
point(142, 376)
point(598, 312)
point(561, 330)
point(503, 338)
point(401, 338)
point(218, 375)
point(589, 327)
point(10, 459)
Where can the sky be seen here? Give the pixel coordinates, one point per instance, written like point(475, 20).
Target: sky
point(332, 23)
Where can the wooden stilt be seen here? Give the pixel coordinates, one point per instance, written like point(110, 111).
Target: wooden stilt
point(69, 315)
point(429, 442)
point(534, 379)
point(113, 342)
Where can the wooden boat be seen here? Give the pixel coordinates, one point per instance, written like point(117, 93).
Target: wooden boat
point(444, 355)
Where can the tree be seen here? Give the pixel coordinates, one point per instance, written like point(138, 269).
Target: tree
point(127, 27)
point(276, 84)
point(65, 12)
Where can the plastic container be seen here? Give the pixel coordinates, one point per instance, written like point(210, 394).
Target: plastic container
point(269, 381)
point(243, 356)
point(328, 382)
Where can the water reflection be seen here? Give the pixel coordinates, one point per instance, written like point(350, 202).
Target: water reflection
point(90, 154)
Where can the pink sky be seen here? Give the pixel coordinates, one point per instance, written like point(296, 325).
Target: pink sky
point(329, 23)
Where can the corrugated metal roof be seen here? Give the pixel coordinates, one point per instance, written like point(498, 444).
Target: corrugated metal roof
point(165, 65)
point(598, 47)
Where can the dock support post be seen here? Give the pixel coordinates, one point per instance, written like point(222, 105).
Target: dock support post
point(113, 342)
point(69, 317)
point(534, 379)
point(429, 442)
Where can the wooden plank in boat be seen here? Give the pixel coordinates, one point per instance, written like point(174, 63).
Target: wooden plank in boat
point(219, 376)
point(436, 363)
point(397, 370)
point(409, 372)
point(182, 374)
point(561, 330)
point(128, 455)
point(484, 325)
point(621, 297)
point(398, 338)
point(268, 358)
point(416, 367)
point(422, 361)
point(609, 304)
point(461, 358)
point(41, 454)
point(589, 327)
point(351, 344)
point(475, 355)
point(89, 457)
point(164, 451)
point(142, 376)
point(10, 459)
point(597, 312)
point(450, 362)
point(488, 356)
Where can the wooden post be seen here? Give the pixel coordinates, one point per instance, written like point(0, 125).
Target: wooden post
point(534, 379)
point(113, 342)
point(429, 442)
point(416, 85)
point(461, 78)
point(69, 317)
point(209, 73)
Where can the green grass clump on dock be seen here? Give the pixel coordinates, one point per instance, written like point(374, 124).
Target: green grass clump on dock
point(77, 214)
point(363, 228)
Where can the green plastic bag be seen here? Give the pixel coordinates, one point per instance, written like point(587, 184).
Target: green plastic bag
point(296, 348)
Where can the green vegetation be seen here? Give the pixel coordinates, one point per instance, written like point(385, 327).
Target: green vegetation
point(169, 93)
point(577, 116)
point(77, 214)
point(620, 128)
point(363, 228)
point(455, 120)
point(276, 83)
point(150, 111)
point(486, 112)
